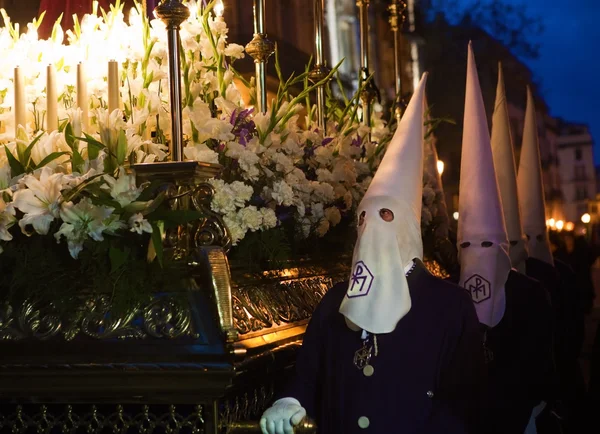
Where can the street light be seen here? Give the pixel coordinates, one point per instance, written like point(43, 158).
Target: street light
point(586, 218)
point(569, 226)
point(455, 215)
point(551, 223)
point(440, 167)
point(560, 225)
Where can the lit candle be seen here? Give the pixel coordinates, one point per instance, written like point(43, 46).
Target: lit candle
point(113, 86)
point(82, 96)
point(51, 100)
point(20, 114)
point(219, 9)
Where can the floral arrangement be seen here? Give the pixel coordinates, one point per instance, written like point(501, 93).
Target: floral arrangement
point(283, 181)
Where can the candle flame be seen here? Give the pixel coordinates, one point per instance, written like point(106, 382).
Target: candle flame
point(219, 8)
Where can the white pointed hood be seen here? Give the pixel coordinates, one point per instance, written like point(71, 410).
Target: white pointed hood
point(506, 173)
point(484, 268)
point(378, 295)
point(431, 169)
point(531, 188)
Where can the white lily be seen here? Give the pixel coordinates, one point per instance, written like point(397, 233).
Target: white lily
point(123, 189)
point(7, 219)
point(83, 220)
point(39, 201)
point(139, 224)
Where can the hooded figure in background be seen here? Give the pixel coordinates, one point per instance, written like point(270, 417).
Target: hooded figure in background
point(542, 382)
point(557, 276)
point(502, 296)
point(395, 348)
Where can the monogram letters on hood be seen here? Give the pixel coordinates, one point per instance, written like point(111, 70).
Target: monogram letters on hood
point(531, 188)
point(482, 239)
point(378, 296)
point(506, 172)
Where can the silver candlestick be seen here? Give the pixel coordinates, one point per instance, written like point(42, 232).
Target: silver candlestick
point(369, 92)
point(396, 9)
point(320, 70)
point(173, 13)
point(260, 49)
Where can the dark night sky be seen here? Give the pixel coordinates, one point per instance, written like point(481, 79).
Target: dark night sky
point(568, 67)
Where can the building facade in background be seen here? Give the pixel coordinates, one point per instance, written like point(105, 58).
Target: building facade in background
point(577, 170)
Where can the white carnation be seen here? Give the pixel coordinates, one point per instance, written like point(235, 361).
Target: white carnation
point(269, 219)
point(236, 231)
point(242, 193)
point(223, 200)
point(282, 193)
point(250, 218)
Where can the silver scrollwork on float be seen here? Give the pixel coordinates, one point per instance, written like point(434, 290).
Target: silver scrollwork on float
point(103, 418)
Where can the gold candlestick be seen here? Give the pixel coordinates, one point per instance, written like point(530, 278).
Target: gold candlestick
point(396, 20)
point(320, 70)
point(173, 13)
point(260, 49)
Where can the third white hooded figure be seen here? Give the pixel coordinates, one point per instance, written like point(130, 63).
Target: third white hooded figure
point(506, 173)
point(378, 295)
point(482, 239)
point(531, 188)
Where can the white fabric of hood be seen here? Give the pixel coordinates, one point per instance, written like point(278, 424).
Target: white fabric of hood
point(531, 188)
point(483, 270)
point(378, 295)
point(506, 172)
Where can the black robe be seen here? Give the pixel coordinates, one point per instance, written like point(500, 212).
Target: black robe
point(568, 330)
point(521, 368)
point(427, 375)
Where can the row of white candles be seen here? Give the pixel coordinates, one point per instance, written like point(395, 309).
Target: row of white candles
point(20, 103)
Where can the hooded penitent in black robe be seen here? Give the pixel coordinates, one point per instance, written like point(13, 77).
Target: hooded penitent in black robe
point(520, 367)
point(427, 375)
point(568, 331)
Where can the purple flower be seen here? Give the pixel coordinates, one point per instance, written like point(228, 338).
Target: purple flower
point(326, 141)
point(356, 141)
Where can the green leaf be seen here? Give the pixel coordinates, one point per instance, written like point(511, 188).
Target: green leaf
point(121, 148)
point(27, 151)
point(118, 258)
point(94, 146)
point(49, 158)
point(69, 137)
point(16, 168)
point(157, 231)
point(71, 194)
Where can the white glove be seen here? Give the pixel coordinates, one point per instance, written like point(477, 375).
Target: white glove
point(282, 417)
point(537, 410)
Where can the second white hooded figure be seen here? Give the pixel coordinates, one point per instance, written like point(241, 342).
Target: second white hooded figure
point(482, 240)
